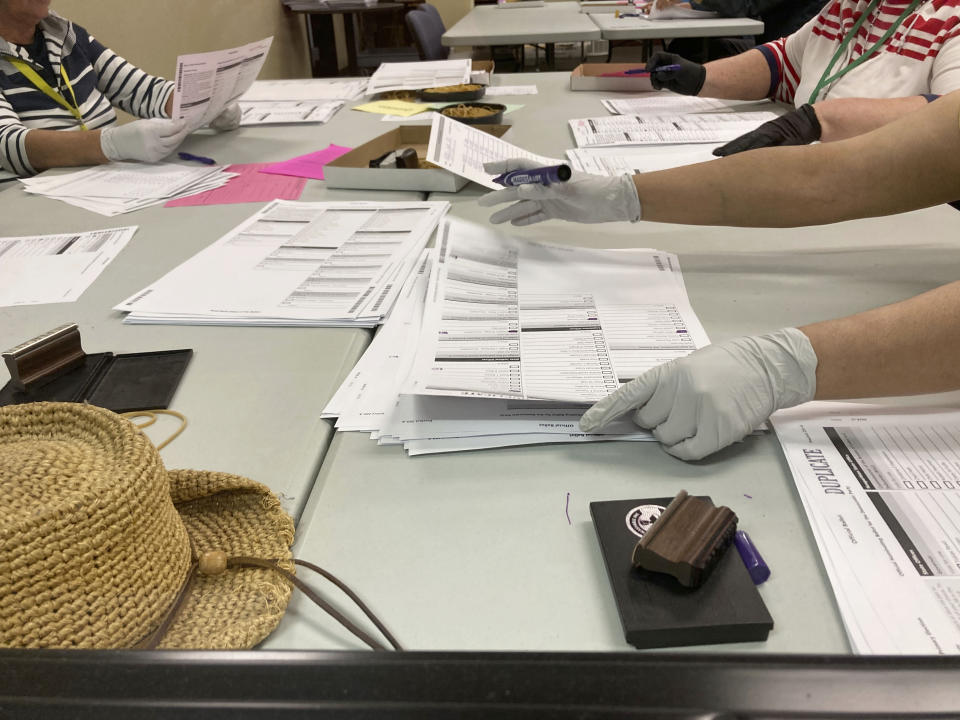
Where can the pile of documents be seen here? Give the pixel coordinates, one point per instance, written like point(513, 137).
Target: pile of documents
point(297, 101)
point(498, 341)
point(616, 130)
point(123, 187)
point(879, 485)
point(313, 264)
point(419, 75)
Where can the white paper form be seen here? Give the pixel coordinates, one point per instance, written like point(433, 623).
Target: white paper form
point(43, 269)
point(419, 75)
point(280, 112)
point(496, 90)
point(665, 130)
point(308, 263)
point(207, 82)
point(515, 319)
point(662, 102)
point(307, 90)
point(882, 489)
point(629, 161)
point(463, 150)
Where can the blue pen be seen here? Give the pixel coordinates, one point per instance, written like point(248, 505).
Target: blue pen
point(661, 68)
point(758, 569)
point(196, 158)
point(543, 176)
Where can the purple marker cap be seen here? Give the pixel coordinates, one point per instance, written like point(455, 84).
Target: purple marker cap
point(543, 176)
point(757, 568)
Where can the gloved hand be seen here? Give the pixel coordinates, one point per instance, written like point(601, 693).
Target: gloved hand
point(228, 119)
point(583, 198)
point(716, 395)
point(147, 140)
point(798, 127)
point(688, 80)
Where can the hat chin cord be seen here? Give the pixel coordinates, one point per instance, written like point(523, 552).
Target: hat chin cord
point(216, 562)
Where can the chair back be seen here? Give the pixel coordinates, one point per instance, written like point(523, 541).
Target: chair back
point(426, 29)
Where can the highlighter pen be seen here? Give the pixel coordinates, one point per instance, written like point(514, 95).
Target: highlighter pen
point(196, 158)
point(543, 175)
point(640, 72)
point(759, 572)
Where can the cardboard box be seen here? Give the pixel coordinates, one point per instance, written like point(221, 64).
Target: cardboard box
point(481, 66)
point(353, 169)
point(589, 77)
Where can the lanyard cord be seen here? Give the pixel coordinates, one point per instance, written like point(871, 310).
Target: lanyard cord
point(38, 82)
point(827, 78)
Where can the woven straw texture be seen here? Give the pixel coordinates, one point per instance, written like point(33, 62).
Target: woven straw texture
point(93, 550)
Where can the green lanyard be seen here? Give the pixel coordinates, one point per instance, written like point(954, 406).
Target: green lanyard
point(44, 87)
point(827, 78)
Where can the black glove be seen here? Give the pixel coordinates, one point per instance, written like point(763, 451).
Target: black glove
point(687, 80)
point(795, 128)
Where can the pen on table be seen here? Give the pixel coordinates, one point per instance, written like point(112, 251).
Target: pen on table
point(641, 71)
point(756, 567)
point(542, 175)
point(196, 158)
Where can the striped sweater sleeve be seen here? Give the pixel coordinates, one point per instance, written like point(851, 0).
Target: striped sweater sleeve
point(785, 57)
point(125, 85)
point(13, 141)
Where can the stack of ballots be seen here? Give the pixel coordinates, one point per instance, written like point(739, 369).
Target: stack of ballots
point(123, 187)
point(498, 341)
point(327, 264)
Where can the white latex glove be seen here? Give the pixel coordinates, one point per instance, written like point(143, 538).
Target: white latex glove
point(716, 395)
point(147, 140)
point(583, 198)
point(228, 119)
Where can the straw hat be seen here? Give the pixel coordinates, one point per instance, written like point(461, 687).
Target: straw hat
point(100, 545)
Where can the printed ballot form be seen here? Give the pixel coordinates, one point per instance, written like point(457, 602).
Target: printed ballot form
point(535, 341)
point(463, 150)
point(627, 160)
point(419, 75)
point(277, 112)
point(311, 89)
point(207, 82)
point(662, 102)
point(42, 269)
point(292, 263)
point(881, 488)
point(515, 319)
point(615, 130)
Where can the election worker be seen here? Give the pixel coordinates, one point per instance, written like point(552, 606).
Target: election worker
point(719, 394)
point(853, 67)
point(55, 77)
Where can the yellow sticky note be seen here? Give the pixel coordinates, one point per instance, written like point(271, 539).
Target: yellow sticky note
point(393, 107)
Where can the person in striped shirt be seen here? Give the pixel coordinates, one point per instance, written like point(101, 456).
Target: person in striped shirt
point(55, 77)
point(717, 395)
point(855, 66)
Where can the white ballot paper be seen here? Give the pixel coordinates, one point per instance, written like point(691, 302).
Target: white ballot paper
point(41, 269)
point(207, 82)
point(419, 75)
point(615, 130)
point(317, 264)
point(274, 90)
point(495, 90)
point(881, 488)
point(678, 12)
point(278, 112)
point(662, 102)
point(637, 336)
point(631, 160)
point(463, 149)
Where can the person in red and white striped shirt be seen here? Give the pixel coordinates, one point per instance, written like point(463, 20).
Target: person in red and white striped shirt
point(859, 63)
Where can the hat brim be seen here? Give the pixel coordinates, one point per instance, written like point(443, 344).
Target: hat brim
point(240, 607)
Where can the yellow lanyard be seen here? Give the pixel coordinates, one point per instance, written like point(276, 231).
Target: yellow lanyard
point(30, 74)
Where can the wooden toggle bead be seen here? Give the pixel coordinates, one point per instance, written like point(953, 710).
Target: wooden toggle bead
point(212, 562)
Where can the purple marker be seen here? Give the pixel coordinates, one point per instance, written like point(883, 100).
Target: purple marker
point(759, 572)
point(543, 176)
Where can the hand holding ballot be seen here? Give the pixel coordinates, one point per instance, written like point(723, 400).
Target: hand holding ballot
point(716, 395)
point(583, 198)
point(688, 80)
point(145, 140)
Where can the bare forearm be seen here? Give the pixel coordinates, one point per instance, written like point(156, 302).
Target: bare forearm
point(908, 164)
point(847, 117)
point(908, 348)
point(742, 77)
point(56, 148)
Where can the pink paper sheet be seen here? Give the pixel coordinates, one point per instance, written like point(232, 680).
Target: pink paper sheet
point(250, 186)
point(307, 166)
